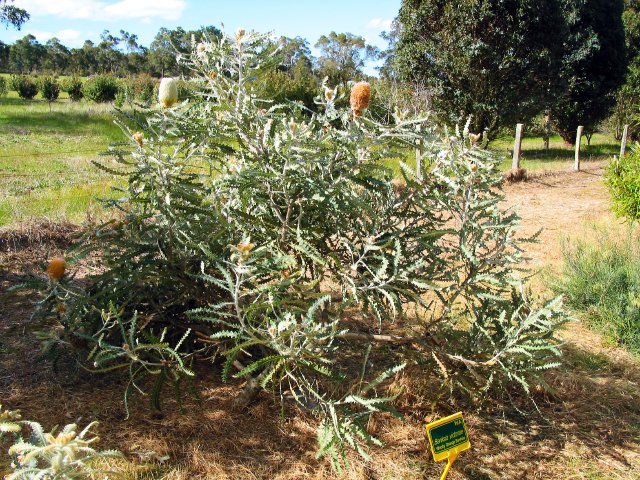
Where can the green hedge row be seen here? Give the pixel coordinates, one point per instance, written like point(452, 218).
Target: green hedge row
point(99, 89)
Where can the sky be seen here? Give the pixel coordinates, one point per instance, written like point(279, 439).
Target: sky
point(74, 21)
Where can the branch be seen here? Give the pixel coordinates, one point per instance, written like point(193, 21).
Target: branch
point(369, 337)
point(250, 390)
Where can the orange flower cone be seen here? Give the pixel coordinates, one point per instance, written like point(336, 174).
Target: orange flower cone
point(56, 268)
point(360, 96)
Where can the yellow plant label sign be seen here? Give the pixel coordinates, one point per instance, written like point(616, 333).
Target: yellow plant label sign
point(448, 437)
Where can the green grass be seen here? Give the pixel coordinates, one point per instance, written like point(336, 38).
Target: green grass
point(559, 156)
point(45, 158)
point(601, 282)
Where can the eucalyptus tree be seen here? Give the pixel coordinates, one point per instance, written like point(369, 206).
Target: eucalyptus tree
point(57, 56)
point(10, 15)
point(343, 56)
point(26, 54)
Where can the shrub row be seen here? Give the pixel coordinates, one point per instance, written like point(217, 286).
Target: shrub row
point(102, 88)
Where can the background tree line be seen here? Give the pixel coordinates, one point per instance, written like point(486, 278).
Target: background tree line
point(554, 65)
point(342, 58)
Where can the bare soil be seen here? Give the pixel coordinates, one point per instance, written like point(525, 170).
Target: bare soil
point(587, 426)
point(559, 203)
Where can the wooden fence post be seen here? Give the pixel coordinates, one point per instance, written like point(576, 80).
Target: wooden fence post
point(517, 147)
point(623, 145)
point(576, 165)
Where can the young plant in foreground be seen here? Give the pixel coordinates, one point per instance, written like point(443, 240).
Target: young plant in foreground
point(277, 238)
point(67, 455)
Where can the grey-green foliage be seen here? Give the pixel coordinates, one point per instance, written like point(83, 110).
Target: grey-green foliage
point(278, 239)
point(9, 421)
point(66, 455)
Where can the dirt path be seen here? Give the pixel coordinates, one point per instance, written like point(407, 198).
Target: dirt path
point(559, 204)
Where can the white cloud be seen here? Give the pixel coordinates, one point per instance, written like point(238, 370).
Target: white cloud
point(69, 36)
point(379, 24)
point(41, 36)
point(102, 10)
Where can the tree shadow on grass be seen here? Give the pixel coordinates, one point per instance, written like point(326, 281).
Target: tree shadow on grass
point(69, 123)
point(586, 152)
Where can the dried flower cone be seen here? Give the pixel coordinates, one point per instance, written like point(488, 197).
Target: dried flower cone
point(138, 137)
point(168, 92)
point(245, 248)
point(56, 268)
point(475, 138)
point(360, 96)
point(329, 94)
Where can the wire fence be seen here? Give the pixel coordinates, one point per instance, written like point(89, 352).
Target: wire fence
point(43, 154)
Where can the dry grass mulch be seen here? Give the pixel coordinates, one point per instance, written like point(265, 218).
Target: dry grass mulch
point(586, 426)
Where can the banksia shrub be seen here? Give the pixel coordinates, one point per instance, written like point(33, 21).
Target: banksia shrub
point(73, 87)
point(26, 87)
point(144, 88)
point(50, 89)
point(279, 242)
